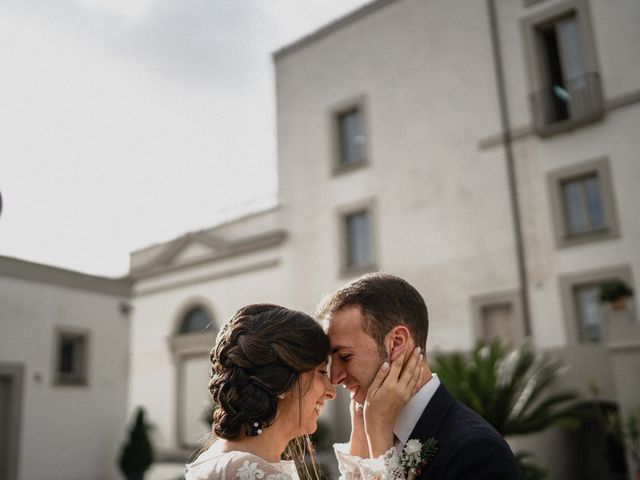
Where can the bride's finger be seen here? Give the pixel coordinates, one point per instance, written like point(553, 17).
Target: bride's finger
point(414, 382)
point(396, 366)
point(416, 386)
point(381, 375)
point(410, 370)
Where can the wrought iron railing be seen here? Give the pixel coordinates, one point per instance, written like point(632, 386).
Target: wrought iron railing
point(577, 99)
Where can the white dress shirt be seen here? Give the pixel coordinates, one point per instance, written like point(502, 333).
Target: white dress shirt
point(412, 411)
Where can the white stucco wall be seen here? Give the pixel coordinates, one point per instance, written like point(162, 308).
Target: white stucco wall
point(441, 214)
point(223, 286)
point(441, 206)
point(614, 136)
point(66, 432)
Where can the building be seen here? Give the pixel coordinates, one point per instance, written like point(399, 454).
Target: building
point(485, 151)
point(64, 340)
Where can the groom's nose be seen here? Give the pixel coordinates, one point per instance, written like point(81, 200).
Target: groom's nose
point(336, 373)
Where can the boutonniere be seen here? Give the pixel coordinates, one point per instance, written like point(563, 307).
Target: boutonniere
point(417, 456)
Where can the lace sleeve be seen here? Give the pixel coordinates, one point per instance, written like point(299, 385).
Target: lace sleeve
point(250, 467)
point(352, 467)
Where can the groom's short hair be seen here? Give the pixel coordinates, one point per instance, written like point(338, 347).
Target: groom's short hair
point(385, 301)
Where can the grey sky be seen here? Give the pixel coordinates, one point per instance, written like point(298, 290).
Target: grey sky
point(129, 122)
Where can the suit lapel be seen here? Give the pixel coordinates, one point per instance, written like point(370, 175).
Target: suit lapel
point(433, 414)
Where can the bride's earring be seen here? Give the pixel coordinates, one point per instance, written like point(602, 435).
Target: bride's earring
point(282, 396)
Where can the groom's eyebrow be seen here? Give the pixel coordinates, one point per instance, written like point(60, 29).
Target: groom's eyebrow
point(337, 348)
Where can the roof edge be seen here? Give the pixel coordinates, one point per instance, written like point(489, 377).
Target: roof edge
point(47, 274)
point(331, 27)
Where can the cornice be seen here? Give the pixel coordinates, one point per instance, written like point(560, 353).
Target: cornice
point(37, 272)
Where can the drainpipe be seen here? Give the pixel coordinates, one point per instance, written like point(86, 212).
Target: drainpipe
point(509, 158)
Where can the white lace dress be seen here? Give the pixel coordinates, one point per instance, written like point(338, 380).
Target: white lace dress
point(238, 466)
point(352, 467)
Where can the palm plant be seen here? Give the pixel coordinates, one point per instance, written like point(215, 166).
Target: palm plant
point(510, 389)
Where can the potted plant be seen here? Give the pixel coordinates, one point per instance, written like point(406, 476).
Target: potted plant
point(615, 293)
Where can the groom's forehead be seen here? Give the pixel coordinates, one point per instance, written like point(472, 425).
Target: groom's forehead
point(346, 328)
point(345, 322)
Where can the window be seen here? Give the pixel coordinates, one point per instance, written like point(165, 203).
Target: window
point(498, 315)
point(197, 319)
point(351, 137)
point(565, 83)
point(588, 312)
point(584, 313)
point(582, 203)
point(194, 331)
point(71, 358)
point(348, 126)
point(357, 240)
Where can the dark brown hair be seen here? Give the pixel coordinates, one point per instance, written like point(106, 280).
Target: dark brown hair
point(259, 354)
point(385, 302)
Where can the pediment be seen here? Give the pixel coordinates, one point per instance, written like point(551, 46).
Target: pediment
point(197, 248)
point(193, 251)
point(186, 250)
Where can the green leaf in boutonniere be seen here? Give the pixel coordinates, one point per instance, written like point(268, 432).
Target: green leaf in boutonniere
point(417, 456)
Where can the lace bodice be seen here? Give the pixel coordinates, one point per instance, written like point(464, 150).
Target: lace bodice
point(238, 466)
point(385, 467)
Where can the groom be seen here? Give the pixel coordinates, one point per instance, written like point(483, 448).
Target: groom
point(372, 320)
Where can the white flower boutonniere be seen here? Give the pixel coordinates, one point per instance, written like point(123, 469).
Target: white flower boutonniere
point(417, 456)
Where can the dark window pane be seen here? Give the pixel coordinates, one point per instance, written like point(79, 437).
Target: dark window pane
point(351, 137)
point(67, 356)
point(576, 220)
point(197, 319)
point(594, 202)
point(359, 245)
point(71, 368)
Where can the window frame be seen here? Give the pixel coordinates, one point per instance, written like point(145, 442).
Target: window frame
point(81, 377)
point(510, 297)
point(184, 346)
point(569, 283)
point(536, 64)
point(556, 179)
point(346, 269)
point(357, 103)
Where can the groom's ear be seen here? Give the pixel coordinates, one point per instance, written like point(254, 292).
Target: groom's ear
point(397, 340)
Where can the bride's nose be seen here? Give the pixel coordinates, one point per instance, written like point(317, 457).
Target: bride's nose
point(329, 390)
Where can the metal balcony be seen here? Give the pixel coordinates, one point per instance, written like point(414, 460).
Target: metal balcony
point(561, 107)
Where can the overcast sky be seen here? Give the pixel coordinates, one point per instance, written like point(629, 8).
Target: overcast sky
point(125, 123)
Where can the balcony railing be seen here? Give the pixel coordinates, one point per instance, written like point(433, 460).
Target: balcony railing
point(558, 107)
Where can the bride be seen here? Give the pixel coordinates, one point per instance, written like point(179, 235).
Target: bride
point(269, 380)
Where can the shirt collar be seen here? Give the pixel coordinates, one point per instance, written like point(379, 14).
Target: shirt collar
point(412, 411)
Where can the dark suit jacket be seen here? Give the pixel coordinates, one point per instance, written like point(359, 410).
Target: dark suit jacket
point(468, 447)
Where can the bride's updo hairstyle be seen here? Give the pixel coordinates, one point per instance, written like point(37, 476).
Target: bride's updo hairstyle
point(260, 353)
